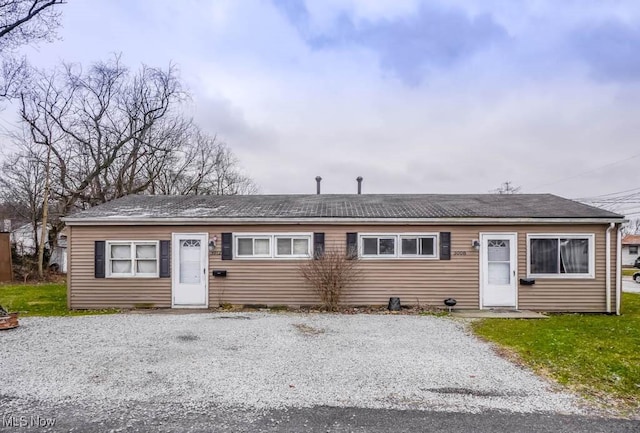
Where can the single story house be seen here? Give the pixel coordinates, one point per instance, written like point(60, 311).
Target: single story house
point(630, 246)
point(520, 251)
point(24, 240)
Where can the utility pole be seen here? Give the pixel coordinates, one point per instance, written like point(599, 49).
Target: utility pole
point(45, 215)
point(507, 188)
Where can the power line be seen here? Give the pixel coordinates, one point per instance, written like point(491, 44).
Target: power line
point(609, 194)
point(587, 171)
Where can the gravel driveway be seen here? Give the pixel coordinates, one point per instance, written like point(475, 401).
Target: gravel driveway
point(266, 361)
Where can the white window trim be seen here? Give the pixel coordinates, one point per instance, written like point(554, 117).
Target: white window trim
point(436, 249)
point(272, 245)
point(379, 236)
point(253, 237)
point(132, 274)
point(592, 255)
point(398, 246)
point(308, 237)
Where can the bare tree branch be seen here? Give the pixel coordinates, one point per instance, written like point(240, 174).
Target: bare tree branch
point(23, 22)
point(27, 21)
point(101, 125)
point(106, 132)
point(330, 274)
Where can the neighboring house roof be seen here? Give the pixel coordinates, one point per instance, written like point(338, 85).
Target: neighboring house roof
point(346, 207)
point(631, 240)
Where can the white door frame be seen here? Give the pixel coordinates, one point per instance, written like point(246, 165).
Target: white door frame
point(482, 264)
point(175, 266)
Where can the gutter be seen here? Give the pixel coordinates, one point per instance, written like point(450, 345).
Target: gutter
point(619, 271)
point(145, 220)
point(608, 266)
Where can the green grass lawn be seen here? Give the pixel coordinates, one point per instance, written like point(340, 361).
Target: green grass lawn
point(628, 272)
point(596, 355)
point(43, 299)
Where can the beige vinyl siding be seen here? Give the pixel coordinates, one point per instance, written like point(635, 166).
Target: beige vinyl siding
point(90, 292)
point(277, 281)
point(566, 294)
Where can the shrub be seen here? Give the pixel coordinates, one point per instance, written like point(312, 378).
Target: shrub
point(329, 274)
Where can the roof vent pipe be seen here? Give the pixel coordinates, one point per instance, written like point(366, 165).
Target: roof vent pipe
point(318, 180)
point(359, 179)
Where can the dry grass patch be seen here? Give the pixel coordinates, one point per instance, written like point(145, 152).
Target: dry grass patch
point(305, 329)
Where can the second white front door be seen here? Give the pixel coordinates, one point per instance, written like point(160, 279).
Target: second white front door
point(190, 276)
point(498, 259)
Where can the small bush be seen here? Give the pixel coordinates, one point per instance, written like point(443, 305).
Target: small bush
point(329, 275)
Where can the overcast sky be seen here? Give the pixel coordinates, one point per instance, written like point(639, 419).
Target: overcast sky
point(438, 96)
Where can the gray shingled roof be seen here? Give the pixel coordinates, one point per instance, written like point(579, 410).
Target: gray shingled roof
point(370, 206)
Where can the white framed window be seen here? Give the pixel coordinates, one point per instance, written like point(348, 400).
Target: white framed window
point(633, 249)
point(293, 245)
point(418, 246)
point(272, 245)
point(378, 245)
point(253, 246)
point(561, 255)
point(398, 245)
point(132, 259)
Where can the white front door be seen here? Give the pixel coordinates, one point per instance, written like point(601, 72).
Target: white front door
point(190, 275)
point(498, 261)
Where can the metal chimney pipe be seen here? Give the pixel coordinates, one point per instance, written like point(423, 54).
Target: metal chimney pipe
point(318, 179)
point(359, 179)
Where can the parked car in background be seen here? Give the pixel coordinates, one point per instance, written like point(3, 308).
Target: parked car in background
point(636, 264)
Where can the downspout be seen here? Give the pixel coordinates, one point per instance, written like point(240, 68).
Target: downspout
point(618, 270)
point(608, 265)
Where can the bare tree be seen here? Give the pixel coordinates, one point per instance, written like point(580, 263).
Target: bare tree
point(97, 130)
point(23, 22)
point(22, 183)
point(203, 165)
point(22, 187)
point(108, 132)
point(113, 133)
point(105, 128)
point(329, 275)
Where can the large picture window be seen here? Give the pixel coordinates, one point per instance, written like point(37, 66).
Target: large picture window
point(561, 256)
point(398, 246)
point(132, 258)
point(271, 245)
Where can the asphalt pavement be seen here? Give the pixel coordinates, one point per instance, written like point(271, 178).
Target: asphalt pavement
point(172, 417)
point(628, 285)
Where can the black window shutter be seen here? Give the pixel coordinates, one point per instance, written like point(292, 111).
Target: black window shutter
point(227, 246)
point(352, 245)
point(445, 245)
point(318, 245)
point(165, 259)
point(99, 259)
